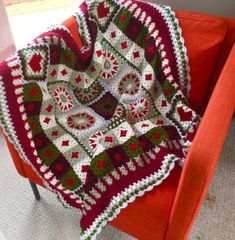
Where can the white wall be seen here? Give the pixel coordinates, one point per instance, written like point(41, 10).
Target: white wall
point(6, 40)
point(215, 7)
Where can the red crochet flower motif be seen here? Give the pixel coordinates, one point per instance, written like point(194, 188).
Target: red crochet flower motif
point(63, 99)
point(95, 139)
point(139, 108)
point(129, 84)
point(110, 67)
point(80, 121)
point(119, 112)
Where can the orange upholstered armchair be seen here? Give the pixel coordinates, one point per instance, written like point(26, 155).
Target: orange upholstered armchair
point(169, 210)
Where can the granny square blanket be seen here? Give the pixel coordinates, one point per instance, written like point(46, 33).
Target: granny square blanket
point(104, 123)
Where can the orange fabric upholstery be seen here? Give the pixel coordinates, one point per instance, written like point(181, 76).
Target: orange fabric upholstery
point(203, 37)
point(202, 159)
point(167, 212)
point(224, 52)
point(147, 217)
point(15, 157)
point(226, 47)
point(22, 168)
point(71, 24)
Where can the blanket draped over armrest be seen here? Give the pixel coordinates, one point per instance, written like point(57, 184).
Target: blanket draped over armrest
point(104, 123)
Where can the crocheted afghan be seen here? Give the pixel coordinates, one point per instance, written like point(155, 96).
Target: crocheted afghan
point(105, 123)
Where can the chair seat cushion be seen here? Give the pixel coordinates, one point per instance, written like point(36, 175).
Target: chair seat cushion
point(147, 217)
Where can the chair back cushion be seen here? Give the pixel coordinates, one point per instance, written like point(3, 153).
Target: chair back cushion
point(227, 45)
point(203, 36)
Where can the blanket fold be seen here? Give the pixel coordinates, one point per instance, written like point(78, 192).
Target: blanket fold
point(103, 124)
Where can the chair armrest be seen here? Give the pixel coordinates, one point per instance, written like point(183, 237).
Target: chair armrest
point(203, 154)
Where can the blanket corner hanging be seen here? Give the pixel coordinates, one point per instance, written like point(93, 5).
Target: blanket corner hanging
point(105, 123)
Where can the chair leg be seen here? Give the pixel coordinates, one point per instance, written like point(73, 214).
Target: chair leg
point(35, 190)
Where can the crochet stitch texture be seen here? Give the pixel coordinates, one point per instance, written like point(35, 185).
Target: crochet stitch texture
point(102, 124)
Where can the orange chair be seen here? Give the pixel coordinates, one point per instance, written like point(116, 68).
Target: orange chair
point(169, 210)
